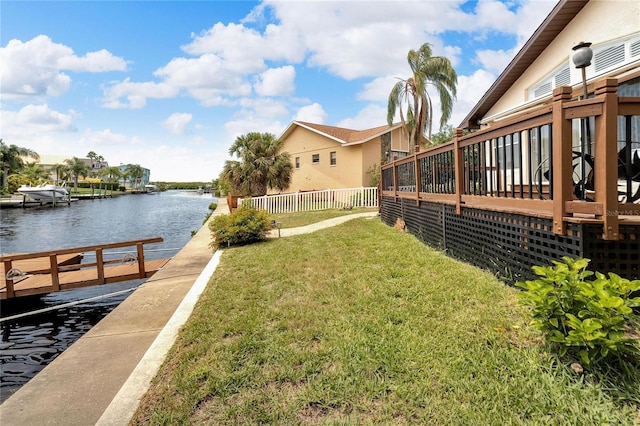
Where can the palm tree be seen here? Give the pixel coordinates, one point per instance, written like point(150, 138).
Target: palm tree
point(61, 171)
point(426, 69)
point(77, 168)
point(134, 172)
point(11, 159)
point(261, 166)
point(34, 173)
point(112, 173)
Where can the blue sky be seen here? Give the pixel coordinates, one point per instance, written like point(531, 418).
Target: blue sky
point(170, 85)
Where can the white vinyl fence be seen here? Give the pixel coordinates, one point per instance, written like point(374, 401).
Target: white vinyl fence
point(315, 200)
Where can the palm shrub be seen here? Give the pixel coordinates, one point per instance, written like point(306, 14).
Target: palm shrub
point(245, 225)
point(591, 319)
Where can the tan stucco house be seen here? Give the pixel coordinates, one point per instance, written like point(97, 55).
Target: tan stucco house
point(327, 157)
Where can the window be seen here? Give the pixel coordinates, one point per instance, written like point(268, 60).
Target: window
point(315, 159)
point(333, 158)
point(297, 162)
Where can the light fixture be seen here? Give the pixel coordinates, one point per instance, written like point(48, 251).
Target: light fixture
point(582, 59)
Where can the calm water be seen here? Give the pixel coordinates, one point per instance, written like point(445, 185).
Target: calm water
point(30, 343)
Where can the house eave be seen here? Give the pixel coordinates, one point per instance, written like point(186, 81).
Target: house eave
point(553, 25)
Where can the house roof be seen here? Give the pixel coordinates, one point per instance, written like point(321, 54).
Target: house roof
point(340, 134)
point(557, 20)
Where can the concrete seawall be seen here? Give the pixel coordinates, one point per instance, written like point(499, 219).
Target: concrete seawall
point(80, 385)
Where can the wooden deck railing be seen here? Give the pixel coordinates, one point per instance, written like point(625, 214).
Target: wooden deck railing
point(565, 160)
point(53, 269)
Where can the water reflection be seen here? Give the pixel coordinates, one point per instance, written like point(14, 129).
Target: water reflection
point(30, 343)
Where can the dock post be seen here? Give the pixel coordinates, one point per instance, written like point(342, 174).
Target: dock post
point(141, 269)
point(55, 277)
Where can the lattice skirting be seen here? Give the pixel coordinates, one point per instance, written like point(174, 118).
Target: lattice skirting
point(510, 244)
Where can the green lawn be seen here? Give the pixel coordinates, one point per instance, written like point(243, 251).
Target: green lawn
point(362, 324)
point(293, 220)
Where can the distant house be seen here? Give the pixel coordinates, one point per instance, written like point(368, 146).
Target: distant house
point(49, 162)
point(146, 175)
point(327, 157)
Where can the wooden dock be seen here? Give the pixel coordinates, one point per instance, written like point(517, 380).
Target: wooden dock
point(51, 271)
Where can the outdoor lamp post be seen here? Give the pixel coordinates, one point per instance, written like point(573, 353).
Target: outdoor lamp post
point(582, 59)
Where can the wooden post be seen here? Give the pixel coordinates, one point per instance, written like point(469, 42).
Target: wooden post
point(457, 158)
point(395, 178)
point(606, 157)
point(416, 173)
point(100, 265)
point(562, 159)
point(55, 277)
point(141, 271)
point(10, 290)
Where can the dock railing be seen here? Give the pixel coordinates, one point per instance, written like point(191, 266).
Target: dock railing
point(316, 200)
point(47, 264)
point(567, 159)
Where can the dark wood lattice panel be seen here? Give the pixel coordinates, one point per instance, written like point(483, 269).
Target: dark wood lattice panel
point(390, 210)
point(507, 244)
point(620, 256)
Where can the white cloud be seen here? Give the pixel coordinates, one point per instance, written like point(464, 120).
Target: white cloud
point(177, 123)
point(204, 162)
point(247, 122)
point(33, 120)
point(276, 82)
point(367, 118)
point(101, 139)
point(378, 89)
point(470, 90)
point(263, 107)
point(313, 113)
point(35, 68)
point(495, 60)
point(100, 61)
point(246, 48)
point(136, 94)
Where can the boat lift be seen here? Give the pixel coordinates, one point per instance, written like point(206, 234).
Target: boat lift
point(59, 270)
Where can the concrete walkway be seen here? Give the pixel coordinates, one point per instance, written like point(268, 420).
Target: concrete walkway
point(289, 232)
point(101, 378)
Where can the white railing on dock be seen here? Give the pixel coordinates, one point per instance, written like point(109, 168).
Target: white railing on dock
point(316, 200)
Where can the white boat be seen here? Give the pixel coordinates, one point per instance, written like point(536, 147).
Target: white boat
point(151, 188)
point(47, 192)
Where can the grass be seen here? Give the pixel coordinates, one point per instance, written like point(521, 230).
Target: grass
point(392, 332)
point(293, 220)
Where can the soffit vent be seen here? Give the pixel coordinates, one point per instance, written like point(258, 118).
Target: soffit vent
point(563, 78)
point(635, 49)
point(609, 57)
point(541, 90)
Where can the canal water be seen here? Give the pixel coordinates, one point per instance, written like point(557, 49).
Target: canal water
point(29, 343)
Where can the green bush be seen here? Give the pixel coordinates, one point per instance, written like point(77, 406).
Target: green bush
point(213, 206)
point(245, 225)
point(593, 320)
